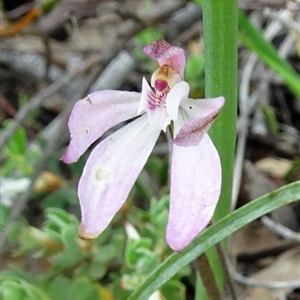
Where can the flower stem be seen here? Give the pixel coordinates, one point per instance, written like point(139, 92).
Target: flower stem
point(220, 23)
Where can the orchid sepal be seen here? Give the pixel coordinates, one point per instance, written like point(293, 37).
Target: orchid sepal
point(95, 114)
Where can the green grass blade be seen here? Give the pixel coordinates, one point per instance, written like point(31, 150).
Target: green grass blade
point(255, 41)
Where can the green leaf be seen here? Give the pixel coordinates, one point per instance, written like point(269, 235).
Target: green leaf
point(61, 197)
point(194, 75)
point(100, 261)
point(153, 164)
point(142, 189)
point(174, 290)
point(136, 249)
point(149, 35)
point(270, 118)
point(17, 143)
point(58, 287)
point(214, 234)
point(4, 215)
point(200, 291)
point(294, 172)
point(34, 292)
point(16, 274)
point(14, 287)
point(82, 289)
point(57, 219)
point(255, 41)
point(48, 5)
point(12, 290)
point(72, 253)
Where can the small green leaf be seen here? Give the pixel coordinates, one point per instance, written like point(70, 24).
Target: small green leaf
point(17, 143)
point(153, 164)
point(4, 215)
point(141, 188)
point(82, 289)
point(72, 253)
point(200, 293)
point(34, 292)
point(149, 35)
point(58, 287)
point(135, 249)
point(101, 261)
point(11, 290)
point(294, 171)
point(174, 290)
point(270, 118)
point(58, 218)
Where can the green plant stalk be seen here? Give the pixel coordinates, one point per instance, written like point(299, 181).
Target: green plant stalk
point(220, 23)
point(214, 234)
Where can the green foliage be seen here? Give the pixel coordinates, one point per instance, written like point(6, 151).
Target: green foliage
point(77, 265)
point(4, 215)
point(270, 119)
point(149, 35)
point(146, 37)
point(174, 290)
point(23, 100)
point(194, 75)
point(158, 169)
point(200, 291)
point(18, 159)
point(48, 5)
point(60, 197)
point(15, 285)
point(81, 288)
point(294, 172)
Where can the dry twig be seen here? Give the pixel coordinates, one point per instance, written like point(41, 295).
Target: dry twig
point(280, 229)
point(38, 100)
point(273, 285)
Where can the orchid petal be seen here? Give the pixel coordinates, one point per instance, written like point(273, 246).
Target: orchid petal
point(195, 190)
point(195, 118)
point(146, 90)
point(177, 95)
point(167, 54)
point(95, 114)
point(110, 173)
point(201, 107)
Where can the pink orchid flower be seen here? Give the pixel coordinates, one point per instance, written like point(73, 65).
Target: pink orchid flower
point(116, 162)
